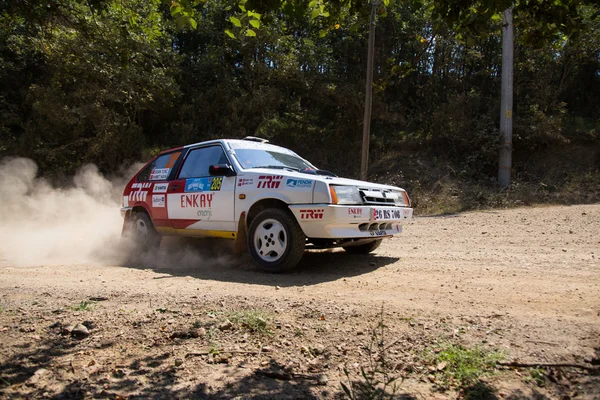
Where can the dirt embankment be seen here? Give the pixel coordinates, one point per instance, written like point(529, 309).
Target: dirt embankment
point(193, 321)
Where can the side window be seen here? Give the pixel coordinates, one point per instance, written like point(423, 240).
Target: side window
point(159, 169)
point(197, 162)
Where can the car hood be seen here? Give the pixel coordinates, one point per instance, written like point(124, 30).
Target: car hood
point(354, 182)
point(326, 179)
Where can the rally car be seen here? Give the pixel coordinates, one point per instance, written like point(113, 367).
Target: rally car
point(265, 197)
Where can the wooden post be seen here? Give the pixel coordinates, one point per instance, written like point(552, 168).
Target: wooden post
point(364, 165)
point(506, 101)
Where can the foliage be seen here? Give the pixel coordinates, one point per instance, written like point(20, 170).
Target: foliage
point(462, 367)
point(102, 81)
point(376, 380)
point(537, 376)
point(83, 306)
point(101, 72)
point(252, 320)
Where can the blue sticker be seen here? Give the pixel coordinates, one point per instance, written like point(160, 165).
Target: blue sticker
point(198, 184)
point(301, 183)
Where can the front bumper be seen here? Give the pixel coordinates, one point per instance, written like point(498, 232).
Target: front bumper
point(327, 221)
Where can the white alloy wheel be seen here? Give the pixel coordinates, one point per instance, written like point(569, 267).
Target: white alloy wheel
point(275, 240)
point(270, 240)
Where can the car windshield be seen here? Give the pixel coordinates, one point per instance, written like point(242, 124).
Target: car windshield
point(261, 158)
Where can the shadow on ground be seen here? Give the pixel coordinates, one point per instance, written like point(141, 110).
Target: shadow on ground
point(148, 377)
point(210, 259)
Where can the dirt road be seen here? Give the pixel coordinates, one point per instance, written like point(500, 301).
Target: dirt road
point(523, 283)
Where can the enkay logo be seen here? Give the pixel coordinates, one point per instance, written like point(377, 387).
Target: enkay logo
point(196, 200)
point(355, 211)
point(312, 214)
point(269, 182)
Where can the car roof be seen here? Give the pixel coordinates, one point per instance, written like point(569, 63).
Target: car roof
point(235, 144)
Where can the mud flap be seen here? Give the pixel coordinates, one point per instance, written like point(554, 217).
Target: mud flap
point(240, 245)
point(126, 231)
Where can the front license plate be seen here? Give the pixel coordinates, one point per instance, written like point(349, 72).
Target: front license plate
point(390, 214)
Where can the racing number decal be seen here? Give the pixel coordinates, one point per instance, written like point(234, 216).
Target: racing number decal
point(216, 183)
point(203, 184)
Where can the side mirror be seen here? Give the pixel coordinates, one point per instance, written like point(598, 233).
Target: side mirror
point(221, 170)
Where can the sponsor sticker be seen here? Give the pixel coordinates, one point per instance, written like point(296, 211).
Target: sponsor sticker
point(204, 214)
point(160, 187)
point(312, 214)
point(301, 183)
point(141, 185)
point(203, 184)
point(356, 211)
point(196, 200)
point(139, 195)
point(159, 174)
point(378, 233)
point(245, 181)
point(158, 200)
point(269, 181)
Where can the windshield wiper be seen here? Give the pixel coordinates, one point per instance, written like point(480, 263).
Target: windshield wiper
point(278, 167)
point(317, 172)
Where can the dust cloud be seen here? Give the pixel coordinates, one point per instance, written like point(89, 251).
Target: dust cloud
point(43, 225)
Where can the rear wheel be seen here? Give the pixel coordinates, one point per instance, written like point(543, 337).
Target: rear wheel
point(363, 248)
point(143, 232)
point(275, 240)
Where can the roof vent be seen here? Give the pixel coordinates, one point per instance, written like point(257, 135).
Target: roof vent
point(256, 139)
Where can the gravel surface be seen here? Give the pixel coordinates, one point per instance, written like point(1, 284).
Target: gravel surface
point(193, 321)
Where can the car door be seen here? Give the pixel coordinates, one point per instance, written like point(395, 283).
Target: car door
point(199, 201)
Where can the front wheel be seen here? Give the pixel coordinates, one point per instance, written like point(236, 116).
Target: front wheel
point(275, 240)
point(363, 248)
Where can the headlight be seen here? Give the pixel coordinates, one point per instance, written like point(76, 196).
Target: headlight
point(345, 195)
point(402, 200)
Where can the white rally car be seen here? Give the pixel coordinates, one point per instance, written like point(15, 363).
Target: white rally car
point(265, 197)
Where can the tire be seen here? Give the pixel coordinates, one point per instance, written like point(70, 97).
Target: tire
point(275, 240)
point(363, 248)
point(143, 232)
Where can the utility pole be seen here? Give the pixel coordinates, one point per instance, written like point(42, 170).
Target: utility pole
point(368, 95)
point(506, 100)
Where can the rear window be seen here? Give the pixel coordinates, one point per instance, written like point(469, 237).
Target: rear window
point(159, 169)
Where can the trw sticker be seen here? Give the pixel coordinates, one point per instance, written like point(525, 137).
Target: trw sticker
point(141, 185)
point(139, 195)
point(269, 181)
point(312, 214)
point(160, 187)
point(158, 200)
point(159, 174)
